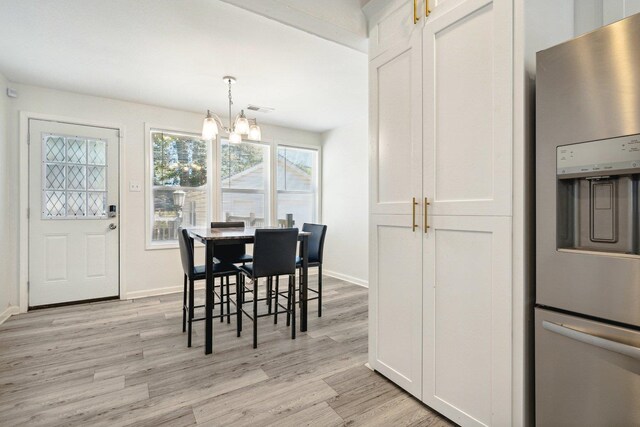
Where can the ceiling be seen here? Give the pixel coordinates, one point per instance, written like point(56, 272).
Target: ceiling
point(341, 21)
point(175, 53)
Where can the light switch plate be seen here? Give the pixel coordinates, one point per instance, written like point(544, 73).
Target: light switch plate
point(135, 186)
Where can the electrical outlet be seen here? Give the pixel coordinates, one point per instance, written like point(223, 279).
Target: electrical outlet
point(135, 186)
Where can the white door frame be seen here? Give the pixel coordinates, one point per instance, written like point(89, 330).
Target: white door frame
point(23, 185)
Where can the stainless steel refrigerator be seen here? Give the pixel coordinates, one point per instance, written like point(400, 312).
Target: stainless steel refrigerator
point(587, 315)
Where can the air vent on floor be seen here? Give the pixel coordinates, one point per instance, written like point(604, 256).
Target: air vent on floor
point(260, 109)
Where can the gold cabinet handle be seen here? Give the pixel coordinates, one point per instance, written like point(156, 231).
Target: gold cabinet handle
point(426, 212)
point(416, 18)
point(413, 210)
point(426, 8)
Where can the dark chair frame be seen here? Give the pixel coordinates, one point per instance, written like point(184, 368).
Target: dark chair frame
point(234, 253)
point(222, 270)
point(274, 253)
point(316, 255)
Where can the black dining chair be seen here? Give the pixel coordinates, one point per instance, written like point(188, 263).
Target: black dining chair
point(192, 273)
point(274, 255)
point(235, 253)
point(315, 256)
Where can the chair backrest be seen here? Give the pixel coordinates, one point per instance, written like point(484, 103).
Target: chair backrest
point(186, 251)
point(230, 224)
point(229, 253)
point(274, 252)
point(316, 241)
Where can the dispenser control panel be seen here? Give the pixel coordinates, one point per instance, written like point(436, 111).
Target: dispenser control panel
point(608, 156)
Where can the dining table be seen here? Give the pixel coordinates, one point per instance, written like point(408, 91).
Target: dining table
point(212, 237)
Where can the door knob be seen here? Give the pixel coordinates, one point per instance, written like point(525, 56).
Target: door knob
point(112, 226)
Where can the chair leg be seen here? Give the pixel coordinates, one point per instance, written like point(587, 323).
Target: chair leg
point(320, 291)
point(228, 301)
point(184, 305)
point(191, 310)
point(244, 290)
point(269, 292)
point(300, 286)
point(292, 281)
point(275, 317)
point(289, 303)
point(255, 313)
point(221, 299)
point(238, 306)
point(266, 301)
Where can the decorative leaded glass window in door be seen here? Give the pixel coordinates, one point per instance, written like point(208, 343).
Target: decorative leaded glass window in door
point(74, 177)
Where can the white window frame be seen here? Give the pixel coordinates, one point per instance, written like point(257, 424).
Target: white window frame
point(148, 185)
point(315, 180)
point(267, 192)
point(272, 199)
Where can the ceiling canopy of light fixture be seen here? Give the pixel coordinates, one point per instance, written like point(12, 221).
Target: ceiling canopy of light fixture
point(239, 126)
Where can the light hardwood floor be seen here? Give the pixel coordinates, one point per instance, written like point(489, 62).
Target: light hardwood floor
point(126, 363)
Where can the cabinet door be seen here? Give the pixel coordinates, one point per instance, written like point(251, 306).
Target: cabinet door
point(395, 300)
point(395, 133)
point(394, 24)
point(467, 319)
point(467, 108)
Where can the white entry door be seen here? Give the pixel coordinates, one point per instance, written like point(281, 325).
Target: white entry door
point(73, 237)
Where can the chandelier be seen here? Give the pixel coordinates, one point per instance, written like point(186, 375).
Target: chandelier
point(241, 125)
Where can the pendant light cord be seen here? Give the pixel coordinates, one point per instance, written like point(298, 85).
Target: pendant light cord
point(230, 104)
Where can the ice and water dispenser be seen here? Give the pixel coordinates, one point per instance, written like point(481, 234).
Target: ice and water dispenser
point(597, 206)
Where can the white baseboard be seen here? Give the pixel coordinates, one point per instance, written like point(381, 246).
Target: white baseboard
point(200, 285)
point(8, 312)
point(346, 278)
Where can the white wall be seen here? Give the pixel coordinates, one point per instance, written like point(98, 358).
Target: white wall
point(6, 288)
point(592, 14)
point(345, 202)
point(145, 271)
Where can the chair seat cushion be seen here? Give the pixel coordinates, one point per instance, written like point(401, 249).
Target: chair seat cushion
point(237, 260)
point(219, 269)
point(312, 262)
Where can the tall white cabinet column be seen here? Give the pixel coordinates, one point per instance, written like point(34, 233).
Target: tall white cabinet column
point(395, 104)
point(467, 140)
point(454, 254)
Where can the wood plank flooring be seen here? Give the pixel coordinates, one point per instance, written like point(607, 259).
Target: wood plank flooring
point(123, 363)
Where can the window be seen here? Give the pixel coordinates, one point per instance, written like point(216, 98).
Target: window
point(297, 185)
point(179, 184)
point(74, 178)
point(244, 182)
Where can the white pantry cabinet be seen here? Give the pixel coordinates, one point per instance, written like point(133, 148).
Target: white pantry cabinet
point(440, 268)
point(395, 132)
point(395, 308)
point(395, 125)
point(467, 93)
point(467, 319)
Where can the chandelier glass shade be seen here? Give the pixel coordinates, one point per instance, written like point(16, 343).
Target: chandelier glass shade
point(238, 127)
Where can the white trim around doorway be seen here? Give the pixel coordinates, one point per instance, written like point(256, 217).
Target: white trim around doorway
point(23, 185)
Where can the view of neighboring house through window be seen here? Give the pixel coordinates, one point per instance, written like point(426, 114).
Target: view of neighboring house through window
point(244, 181)
point(180, 191)
point(297, 186)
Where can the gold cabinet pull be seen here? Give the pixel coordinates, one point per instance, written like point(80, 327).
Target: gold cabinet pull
point(413, 210)
point(426, 8)
point(426, 211)
point(416, 18)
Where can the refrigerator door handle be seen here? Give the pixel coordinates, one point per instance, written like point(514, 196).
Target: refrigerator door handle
point(624, 349)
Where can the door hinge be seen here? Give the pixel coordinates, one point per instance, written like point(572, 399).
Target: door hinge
point(28, 285)
point(28, 213)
